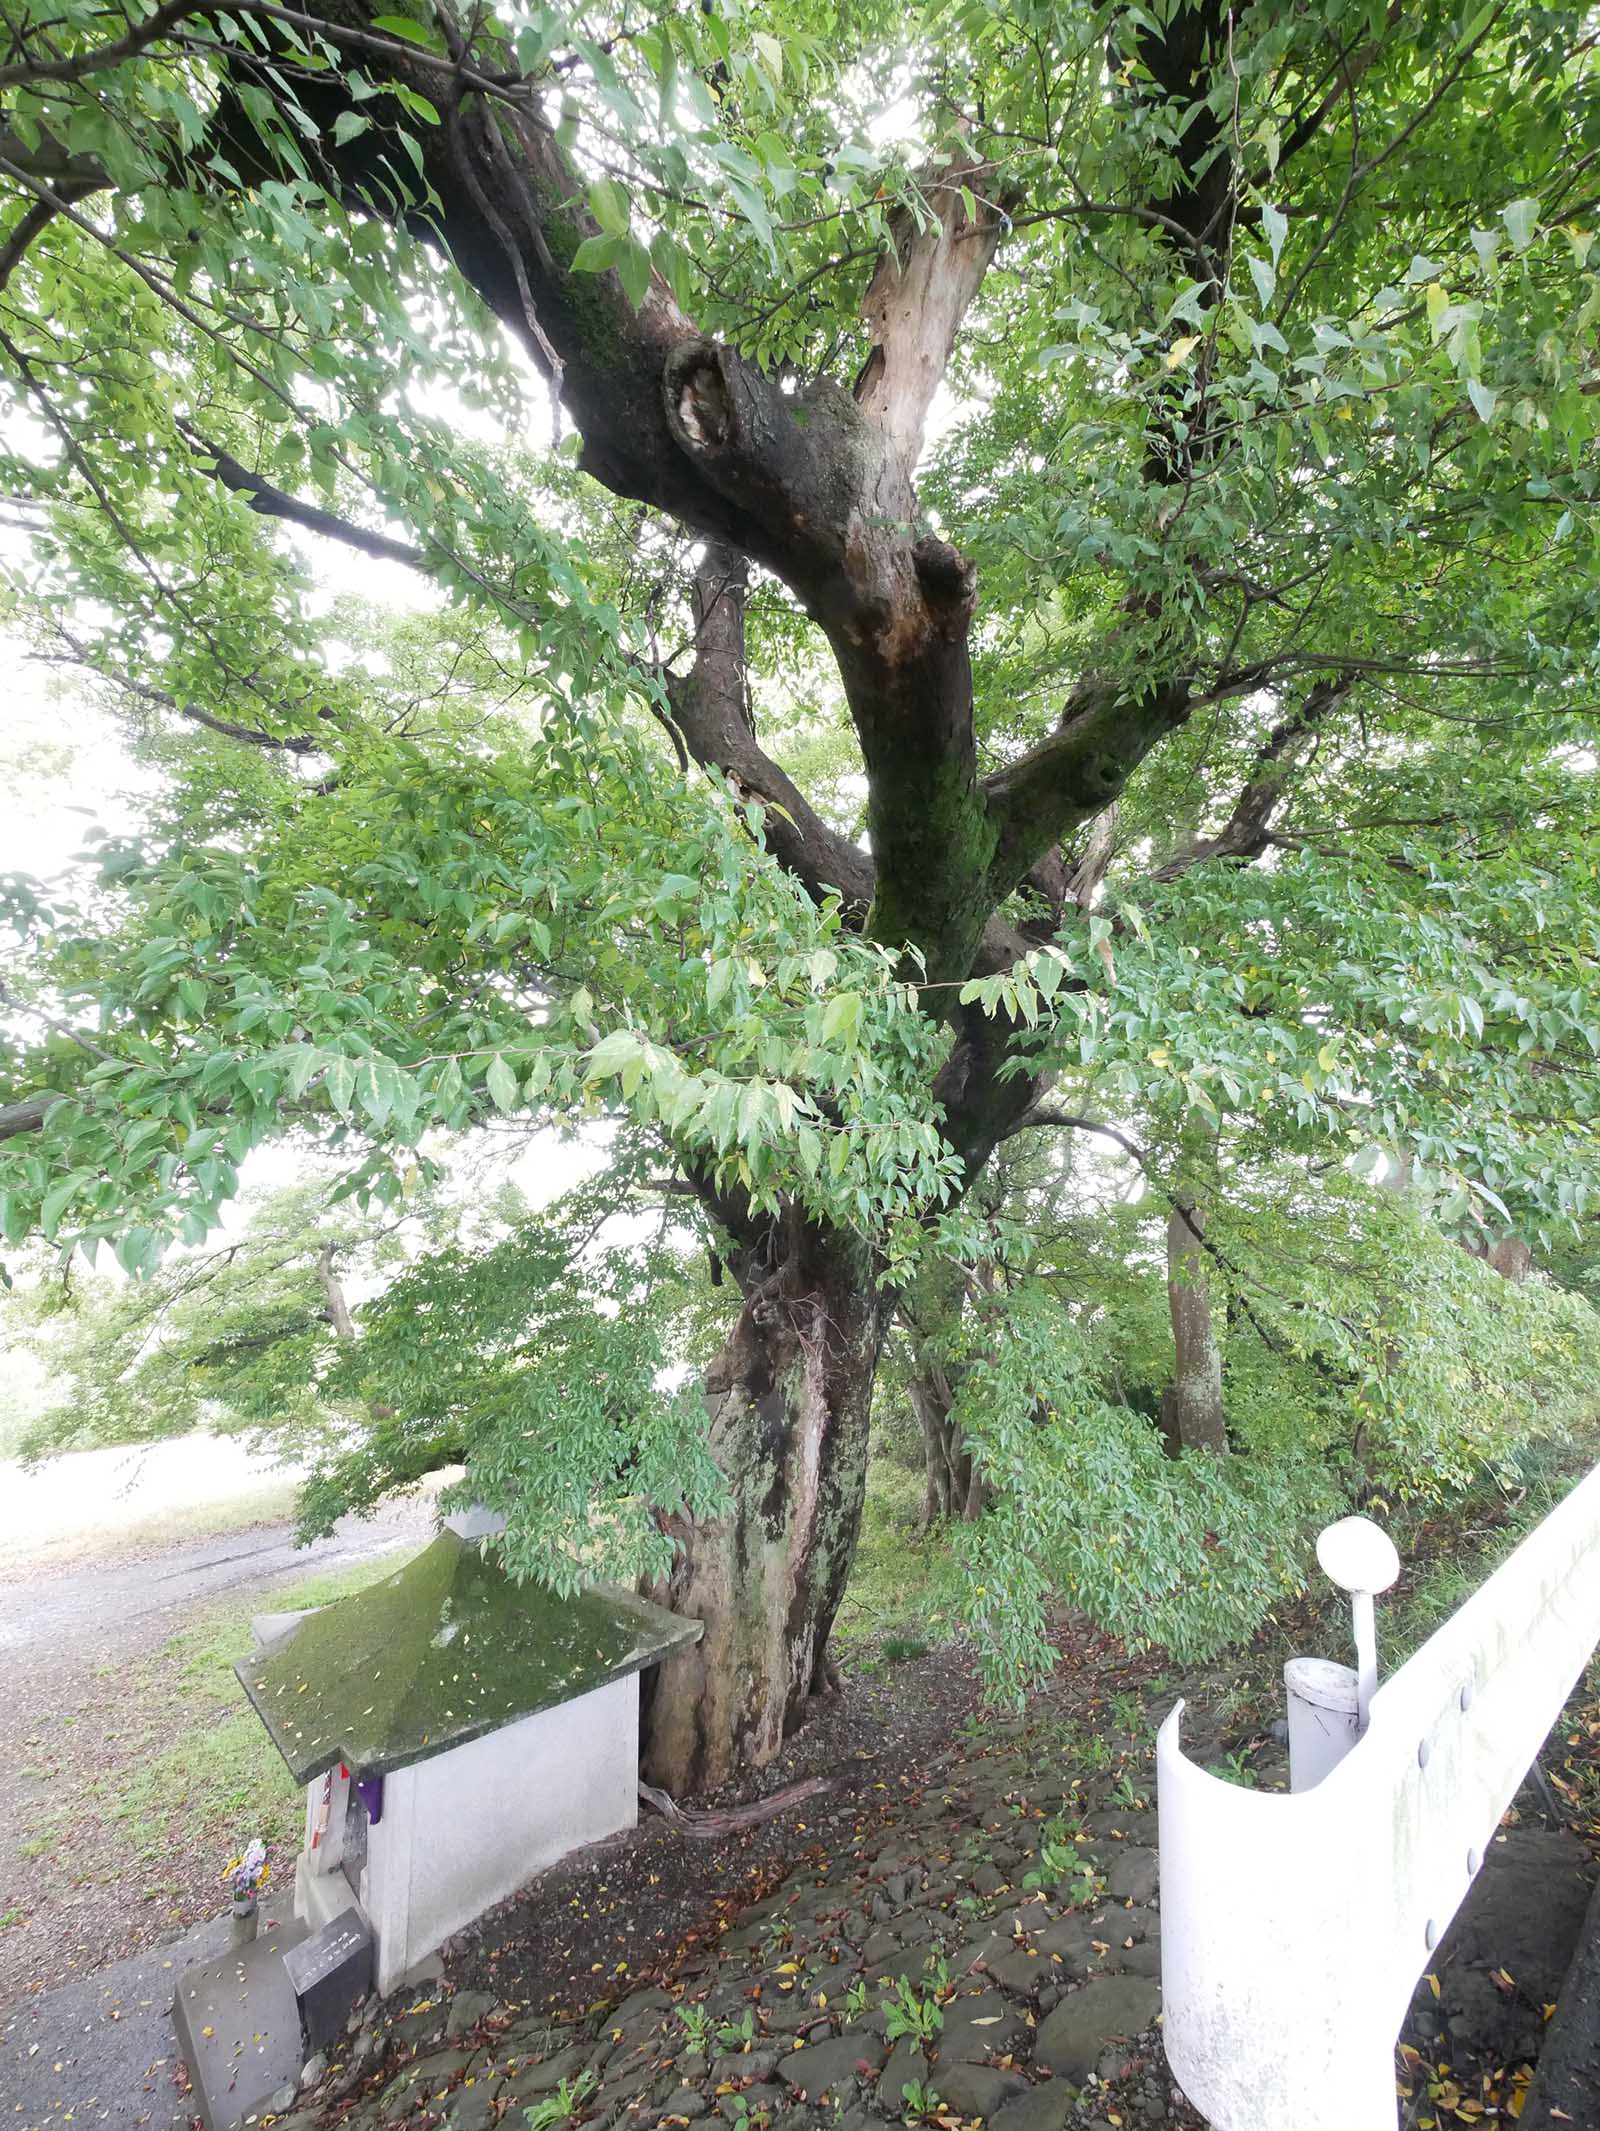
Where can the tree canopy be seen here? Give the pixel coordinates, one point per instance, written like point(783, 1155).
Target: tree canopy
point(949, 576)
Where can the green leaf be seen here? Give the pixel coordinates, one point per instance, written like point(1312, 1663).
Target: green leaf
point(349, 126)
point(409, 32)
point(56, 1201)
point(1521, 219)
point(841, 1020)
point(633, 268)
point(417, 105)
point(1483, 398)
point(595, 254)
point(379, 1087)
point(1264, 277)
point(612, 1053)
point(448, 1087)
point(608, 203)
point(339, 1082)
point(536, 41)
point(1478, 24)
point(304, 1061)
point(501, 1083)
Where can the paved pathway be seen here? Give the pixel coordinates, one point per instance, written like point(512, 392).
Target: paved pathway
point(910, 1976)
point(74, 1510)
point(101, 2051)
point(137, 1603)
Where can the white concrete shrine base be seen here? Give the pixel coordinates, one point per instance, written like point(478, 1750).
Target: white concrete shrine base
point(465, 1828)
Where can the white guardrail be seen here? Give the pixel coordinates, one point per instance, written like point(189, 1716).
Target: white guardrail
point(1294, 1928)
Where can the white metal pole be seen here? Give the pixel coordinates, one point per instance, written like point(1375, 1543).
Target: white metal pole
point(1366, 1654)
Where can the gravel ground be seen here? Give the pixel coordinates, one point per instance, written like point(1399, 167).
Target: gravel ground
point(87, 1693)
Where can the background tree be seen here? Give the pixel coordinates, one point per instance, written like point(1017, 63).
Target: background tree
point(1258, 350)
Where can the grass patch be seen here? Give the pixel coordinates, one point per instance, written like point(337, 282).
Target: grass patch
point(223, 1780)
point(899, 1649)
point(902, 1580)
point(1449, 1559)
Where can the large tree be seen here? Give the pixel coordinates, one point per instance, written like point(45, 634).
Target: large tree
point(1254, 350)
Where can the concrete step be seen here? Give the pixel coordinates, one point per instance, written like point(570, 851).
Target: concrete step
point(238, 2026)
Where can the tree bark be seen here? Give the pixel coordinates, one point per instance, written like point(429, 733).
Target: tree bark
point(954, 1486)
point(328, 1280)
point(1191, 1405)
point(790, 1402)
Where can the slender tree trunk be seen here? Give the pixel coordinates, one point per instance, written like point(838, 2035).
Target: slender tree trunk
point(930, 1402)
point(333, 1295)
point(790, 1402)
point(955, 1486)
point(1191, 1405)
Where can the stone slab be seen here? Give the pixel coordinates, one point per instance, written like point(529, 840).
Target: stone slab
point(1566, 2081)
point(329, 1971)
point(1070, 2040)
point(238, 2027)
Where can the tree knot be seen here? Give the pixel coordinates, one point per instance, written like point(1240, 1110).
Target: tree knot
point(947, 577)
point(699, 403)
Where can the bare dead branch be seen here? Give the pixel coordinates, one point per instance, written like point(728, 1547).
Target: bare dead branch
point(1248, 831)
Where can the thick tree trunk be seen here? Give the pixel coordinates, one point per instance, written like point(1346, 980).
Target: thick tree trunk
point(790, 1402)
point(1191, 1405)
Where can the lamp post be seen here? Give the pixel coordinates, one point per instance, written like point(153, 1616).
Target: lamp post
point(1359, 1556)
point(1329, 1704)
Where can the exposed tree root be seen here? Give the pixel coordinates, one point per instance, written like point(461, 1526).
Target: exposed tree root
point(707, 1822)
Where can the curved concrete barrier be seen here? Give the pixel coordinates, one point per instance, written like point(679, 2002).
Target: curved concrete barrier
point(1294, 1928)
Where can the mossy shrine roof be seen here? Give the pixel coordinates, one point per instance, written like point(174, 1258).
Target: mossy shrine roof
point(447, 1649)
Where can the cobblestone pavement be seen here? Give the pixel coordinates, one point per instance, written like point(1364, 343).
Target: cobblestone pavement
point(989, 1953)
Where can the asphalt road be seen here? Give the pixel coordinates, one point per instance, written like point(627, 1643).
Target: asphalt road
point(139, 1602)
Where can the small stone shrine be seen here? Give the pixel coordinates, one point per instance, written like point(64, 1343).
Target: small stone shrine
point(456, 1733)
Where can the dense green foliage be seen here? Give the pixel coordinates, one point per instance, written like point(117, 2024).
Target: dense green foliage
point(1378, 1362)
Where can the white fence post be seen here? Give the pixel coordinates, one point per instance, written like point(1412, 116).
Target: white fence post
point(1293, 1929)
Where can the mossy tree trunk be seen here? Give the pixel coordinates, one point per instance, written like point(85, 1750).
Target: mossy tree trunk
point(790, 1401)
point(1191, 1405)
